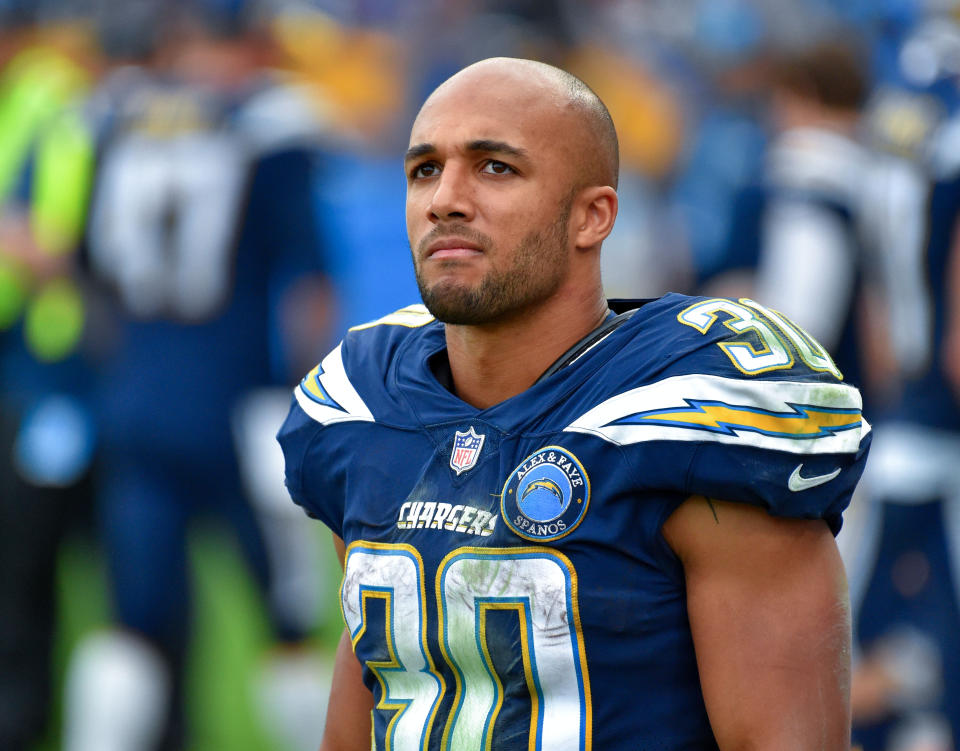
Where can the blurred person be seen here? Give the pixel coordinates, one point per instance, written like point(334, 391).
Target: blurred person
point(359, 71)
point(902, 546)
point(797, 236)
point(835, 237)
point(46, 435)
point(202, 237)
point(513, 470)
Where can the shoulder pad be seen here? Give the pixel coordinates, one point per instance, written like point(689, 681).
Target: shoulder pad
point(797, 417)
point(412, 316)
point(350, 383)
point(735, 372)
point(757, 340)
point(327, 395)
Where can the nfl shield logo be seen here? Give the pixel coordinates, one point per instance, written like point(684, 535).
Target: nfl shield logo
point(466, 450)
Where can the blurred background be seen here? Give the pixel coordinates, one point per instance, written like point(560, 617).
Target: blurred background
point(199, 196)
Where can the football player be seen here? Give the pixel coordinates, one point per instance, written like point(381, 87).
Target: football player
point(567, 523)
point(202, 231)
point(902, 549)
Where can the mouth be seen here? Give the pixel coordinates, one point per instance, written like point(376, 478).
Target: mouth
point(452, 248)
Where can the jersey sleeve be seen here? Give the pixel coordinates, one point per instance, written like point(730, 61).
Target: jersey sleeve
point(331, 417)
point(315, 438)
point(297, 436)
point(790, 438)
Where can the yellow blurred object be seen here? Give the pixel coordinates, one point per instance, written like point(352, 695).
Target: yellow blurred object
point(358, 71)
point(63, 172)
point(14, 283)
point(647, 114)
point(54, 320)
point(43, 136)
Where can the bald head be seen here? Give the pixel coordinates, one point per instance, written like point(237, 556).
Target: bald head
point(592, 133)
point(511, 171)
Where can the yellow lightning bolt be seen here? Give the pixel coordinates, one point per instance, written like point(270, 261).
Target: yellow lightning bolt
point(805, 422)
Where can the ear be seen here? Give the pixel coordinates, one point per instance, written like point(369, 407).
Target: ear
point(593, 215)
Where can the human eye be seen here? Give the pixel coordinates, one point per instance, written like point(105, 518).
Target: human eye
point(425, 169)
point(494, 167)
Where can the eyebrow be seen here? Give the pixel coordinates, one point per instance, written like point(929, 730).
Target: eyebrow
point(482, 145)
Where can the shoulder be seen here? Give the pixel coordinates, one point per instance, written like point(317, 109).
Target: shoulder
point(740, 339)
point(735, 370)
point(393, 324)
point(735, 402)
point(352, 382)
point(350, 388)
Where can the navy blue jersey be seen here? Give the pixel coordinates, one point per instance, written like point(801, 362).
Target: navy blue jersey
point(506, 582)
point(203, 214)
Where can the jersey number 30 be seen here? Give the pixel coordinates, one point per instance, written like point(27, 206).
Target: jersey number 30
point(538, 585)
point(778, 337)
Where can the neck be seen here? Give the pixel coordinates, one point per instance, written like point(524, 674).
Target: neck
point(493, 362)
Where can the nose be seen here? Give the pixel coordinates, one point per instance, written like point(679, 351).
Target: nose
point(453, 197)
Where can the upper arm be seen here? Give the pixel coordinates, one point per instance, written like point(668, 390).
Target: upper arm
point(348, 713)
point(341, 549)
point(769, 614)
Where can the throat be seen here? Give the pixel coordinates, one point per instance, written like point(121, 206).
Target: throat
point(491, 380)
point(439, 364)
point(487, 383)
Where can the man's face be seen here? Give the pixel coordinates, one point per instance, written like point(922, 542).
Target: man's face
point(489, 192)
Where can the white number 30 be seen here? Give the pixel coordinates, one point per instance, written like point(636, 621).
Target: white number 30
point(539, 585)
point(778, 337)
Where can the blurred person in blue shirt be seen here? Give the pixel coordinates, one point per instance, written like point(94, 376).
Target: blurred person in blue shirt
point(203, 239)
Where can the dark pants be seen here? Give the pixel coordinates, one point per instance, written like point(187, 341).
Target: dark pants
point(33, 522)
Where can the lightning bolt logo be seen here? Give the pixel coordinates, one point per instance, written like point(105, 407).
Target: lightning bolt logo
point(800, 421)
point(311, 386)
point(549, 485)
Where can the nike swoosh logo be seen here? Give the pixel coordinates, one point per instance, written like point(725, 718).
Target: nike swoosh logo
point(797, 483)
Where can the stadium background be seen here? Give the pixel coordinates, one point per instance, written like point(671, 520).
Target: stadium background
point(689, 84)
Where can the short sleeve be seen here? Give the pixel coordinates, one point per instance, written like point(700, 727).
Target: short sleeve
point(311, 478)
point(795, 448)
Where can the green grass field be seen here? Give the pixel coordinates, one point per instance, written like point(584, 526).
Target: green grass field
point(231, 636)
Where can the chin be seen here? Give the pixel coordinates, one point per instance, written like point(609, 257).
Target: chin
point(456, 311)
point(456, 304)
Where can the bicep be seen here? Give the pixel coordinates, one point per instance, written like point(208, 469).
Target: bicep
point(348, 713)
point(769, 615)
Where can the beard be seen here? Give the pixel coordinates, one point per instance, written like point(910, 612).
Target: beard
point(538, 267)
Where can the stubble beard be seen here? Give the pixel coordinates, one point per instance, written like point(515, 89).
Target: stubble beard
point(539, 265)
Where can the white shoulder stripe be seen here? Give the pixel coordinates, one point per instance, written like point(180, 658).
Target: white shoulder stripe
point(327, 395)
point(411, 317)
point(800, 418)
